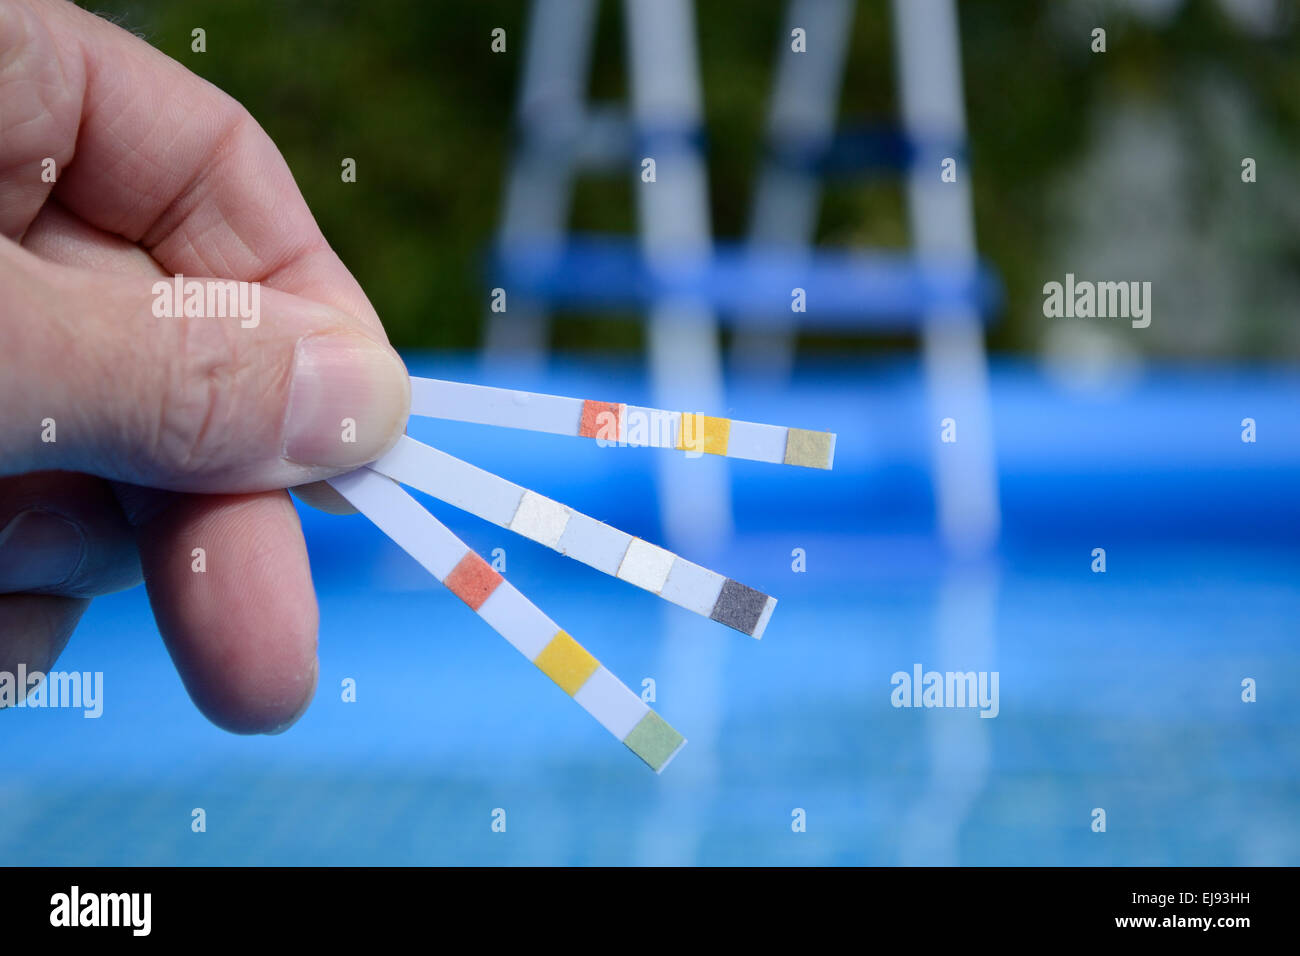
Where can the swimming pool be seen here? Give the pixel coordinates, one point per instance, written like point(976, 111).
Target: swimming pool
point(1120, 691)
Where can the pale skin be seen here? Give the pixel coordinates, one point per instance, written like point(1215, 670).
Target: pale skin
point(170, 433)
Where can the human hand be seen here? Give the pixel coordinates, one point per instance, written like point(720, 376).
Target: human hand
point(169, 433)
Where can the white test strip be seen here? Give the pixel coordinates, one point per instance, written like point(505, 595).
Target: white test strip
point(578, 536)
point(513, 616)
point(507, 408)
point(621, 424)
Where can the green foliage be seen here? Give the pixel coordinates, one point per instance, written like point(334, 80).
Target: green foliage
point(412, 92)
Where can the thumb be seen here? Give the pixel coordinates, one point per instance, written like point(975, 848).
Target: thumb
point(106, 374)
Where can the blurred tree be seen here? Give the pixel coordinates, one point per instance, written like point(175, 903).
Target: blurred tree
point(413, 93)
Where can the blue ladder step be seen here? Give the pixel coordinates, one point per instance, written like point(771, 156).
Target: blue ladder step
point(752, 286)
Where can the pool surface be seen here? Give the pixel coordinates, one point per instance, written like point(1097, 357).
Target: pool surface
point(1120, 691)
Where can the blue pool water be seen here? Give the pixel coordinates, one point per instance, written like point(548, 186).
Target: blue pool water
point(1119, 691)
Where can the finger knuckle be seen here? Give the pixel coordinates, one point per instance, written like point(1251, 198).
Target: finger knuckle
point(198, 408)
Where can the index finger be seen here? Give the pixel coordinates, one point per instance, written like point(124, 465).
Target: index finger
point(148, 151)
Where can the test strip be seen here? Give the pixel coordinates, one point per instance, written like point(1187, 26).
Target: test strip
point(513, 616)
point(504, 407)
point(582, 538)
point(613, 423)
